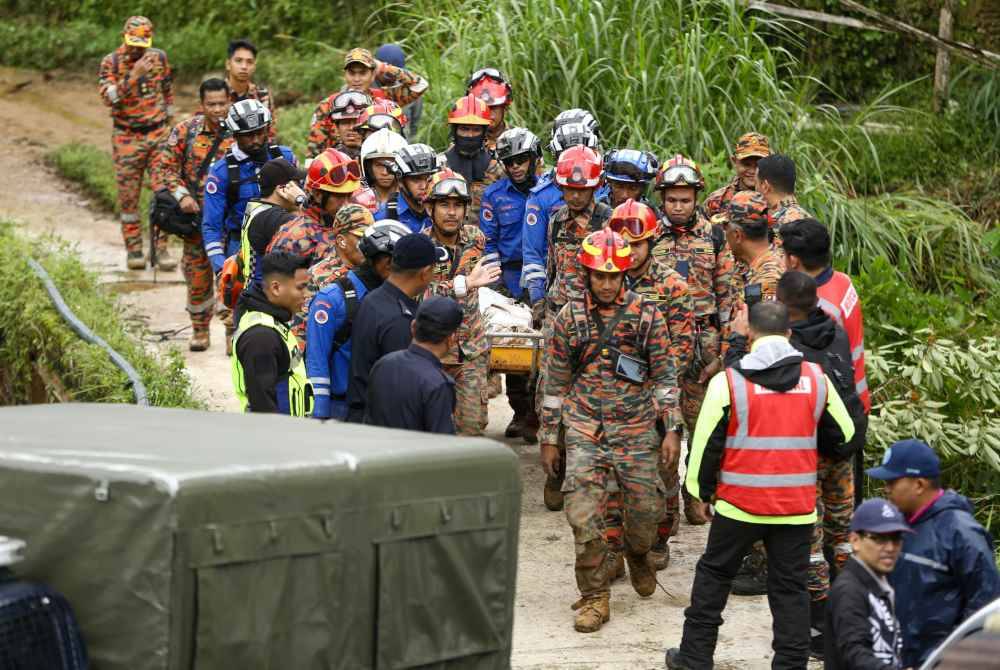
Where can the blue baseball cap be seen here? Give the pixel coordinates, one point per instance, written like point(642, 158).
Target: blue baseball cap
point(440, 311)
point(391, 54)
point(907, 458)
point(879, 516)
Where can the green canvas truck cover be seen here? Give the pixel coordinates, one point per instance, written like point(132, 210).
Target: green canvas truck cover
point(188, 539)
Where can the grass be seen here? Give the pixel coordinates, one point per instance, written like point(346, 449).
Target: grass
point(93, 171)
point(32, 331)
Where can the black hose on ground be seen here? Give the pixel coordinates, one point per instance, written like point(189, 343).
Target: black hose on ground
point(81, 329)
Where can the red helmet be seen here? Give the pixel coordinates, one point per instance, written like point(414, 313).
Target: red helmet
point(634, 221)
point(494, 93)
point(469, 111)
point(579, 167)
point(333, 171)
point(679, 171)
point(606, 251)
point(382, 114)
point(366, 198)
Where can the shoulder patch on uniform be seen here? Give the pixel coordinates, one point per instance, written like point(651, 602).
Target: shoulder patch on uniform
point(531, 219)
point(321, 316)
point(487, 213)
point(211, 187)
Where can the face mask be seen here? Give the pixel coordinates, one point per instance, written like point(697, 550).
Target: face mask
point(469, 146)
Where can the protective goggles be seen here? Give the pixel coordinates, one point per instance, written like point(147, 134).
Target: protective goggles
point(680, 174)
point(349, 171)
point(380, 121)
point(490, 72)
point(450, 188)
point(631, 227)
point(351, 99)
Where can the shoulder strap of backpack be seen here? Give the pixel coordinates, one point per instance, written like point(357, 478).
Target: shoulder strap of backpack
point(392, 208)
point(352, 306)
point(233, 175)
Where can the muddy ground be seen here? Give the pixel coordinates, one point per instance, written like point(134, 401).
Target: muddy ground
point(38, 113)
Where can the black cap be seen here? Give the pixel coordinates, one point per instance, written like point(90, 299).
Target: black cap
point(879, 516)
point(441, 312)
point(278, 172)
point(415, 251)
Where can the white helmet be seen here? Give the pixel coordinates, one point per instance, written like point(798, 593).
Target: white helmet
point(383, 143)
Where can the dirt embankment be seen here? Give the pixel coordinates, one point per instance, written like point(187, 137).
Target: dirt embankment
point(39, 113)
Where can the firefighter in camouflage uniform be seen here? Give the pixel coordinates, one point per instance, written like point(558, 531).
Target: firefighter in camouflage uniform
point(459, 277)
point(610, 377)
point(691, 247)
point(136, 82)
point(746, 226)
point(179, 166)
point(750, 149)
point(470, 120)
point(492, 87)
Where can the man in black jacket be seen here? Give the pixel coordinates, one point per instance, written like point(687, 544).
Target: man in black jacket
point(862, 632)
point(822, 341)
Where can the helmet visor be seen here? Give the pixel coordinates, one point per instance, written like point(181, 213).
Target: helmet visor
point(624, 171)
point(339, 174)
point(380, 121)
point(490, 72)
point(451, 188)
point(631, 227)
point(680, 174)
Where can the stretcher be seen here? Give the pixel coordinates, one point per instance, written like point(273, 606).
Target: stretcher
point(515, 352)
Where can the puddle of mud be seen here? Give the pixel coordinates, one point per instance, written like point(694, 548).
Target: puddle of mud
point(123, 286)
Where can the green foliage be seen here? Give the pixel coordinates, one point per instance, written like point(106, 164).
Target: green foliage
point(293, 127)
point(93, 171)
point(32, 330)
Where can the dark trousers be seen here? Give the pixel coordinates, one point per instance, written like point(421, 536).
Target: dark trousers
point(520, 395)
point(788, 562)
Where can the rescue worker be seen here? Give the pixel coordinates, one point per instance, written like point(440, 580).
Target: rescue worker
point(384, 318)
point(332, 177)
point(744, 221)
point(136, 82)
point(628, 173)
point(690, 246)
point(949, 570)
point(501, 217)
point(754, 451)
point(460, 277)
point(546, 197)
point(820, 340)
point(410, 389)
point(415, 165)
point(346, 110)
point(776, 182)
point(267, 368)
point(361, 72)
point(469, 120)
point(331, 317)
point(232, 181)
point(610, 377)
point(280, 197)
point(393, 55)
point(179, 167)
point(241, 64)
point(349, 224)
point(493, 88)
point(378, 115)
point(750, 148)
point(636, 222)
point(378, 163)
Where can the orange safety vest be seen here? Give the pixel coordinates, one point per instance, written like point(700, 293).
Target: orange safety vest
point(769, 464)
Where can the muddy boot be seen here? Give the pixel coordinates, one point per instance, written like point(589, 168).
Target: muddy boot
point(529, 429)
point(660, 554)
point(592, 612)
point(751, 580)
point(692, 512)
point(515, 427)
point(817, 622)
point(199, 340)
point(164, 261)
point(641, 573)
point(553, 495)
point(135, 260)
point(616, 565)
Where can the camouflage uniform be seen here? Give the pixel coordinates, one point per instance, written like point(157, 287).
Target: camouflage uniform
point(140, 110)
point(566, 232)
point(787, 210)
point(469, 363)
point(610, 425)
point(175, 169)
point(262, 95)
point(310, 235)
point(668, 289)
point(763, 271)
point(834, 508)
point(718, 200)
point(401, 86)
point(748, 145)
point(691, 252)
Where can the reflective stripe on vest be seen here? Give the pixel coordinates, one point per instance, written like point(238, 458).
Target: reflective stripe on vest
point(300, 395)
point(769, 463)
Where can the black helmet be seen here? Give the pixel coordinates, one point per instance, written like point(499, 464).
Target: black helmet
point(247, 116)
point(381, 238)
point(416, 160)
point(517, 141)
point(577, 115)
point(570, 135)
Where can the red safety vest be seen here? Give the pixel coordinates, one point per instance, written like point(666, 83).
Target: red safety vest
point(769, 464)
point(838, 298)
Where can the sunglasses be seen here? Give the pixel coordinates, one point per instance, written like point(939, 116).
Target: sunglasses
point(516, 160)
point(680, 173)
point(628, 227)
point(882, 539)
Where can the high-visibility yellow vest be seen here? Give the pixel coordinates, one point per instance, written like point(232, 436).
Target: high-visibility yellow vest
point(248, 259)
point(300, 395)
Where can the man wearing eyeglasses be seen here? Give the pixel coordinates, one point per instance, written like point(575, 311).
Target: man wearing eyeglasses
point(862, 631)
point(947, 571)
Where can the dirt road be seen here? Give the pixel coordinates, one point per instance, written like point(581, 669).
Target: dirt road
point(37, 115)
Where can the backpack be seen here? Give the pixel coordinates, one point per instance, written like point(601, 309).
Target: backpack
point(233, 175)
point(353, 304)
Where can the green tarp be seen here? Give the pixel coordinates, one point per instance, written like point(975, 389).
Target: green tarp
point(203, 540)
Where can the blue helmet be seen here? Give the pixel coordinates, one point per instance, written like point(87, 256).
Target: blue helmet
point(631, 166)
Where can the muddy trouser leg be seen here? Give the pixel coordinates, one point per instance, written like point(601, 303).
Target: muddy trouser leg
point(131, 152)
point(838, 508)
point(198, 277)
point(471, 395)
point(585, 490)
point(636, 455)
point(518, 395)
point(692, 396)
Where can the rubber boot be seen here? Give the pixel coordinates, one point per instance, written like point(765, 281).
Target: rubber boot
point(817, 623)
point(592, 612)
point(199, 340)
point(692, 512)
point(641, 573)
